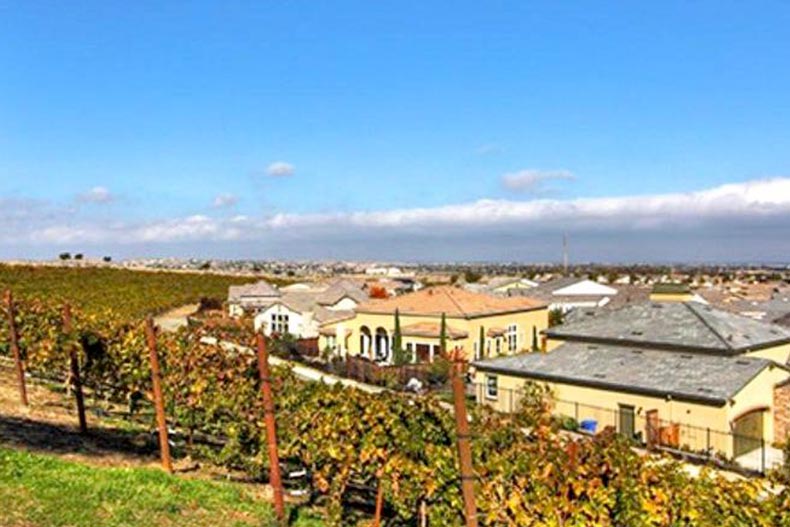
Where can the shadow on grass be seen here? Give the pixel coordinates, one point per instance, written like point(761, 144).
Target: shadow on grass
point(41, 436)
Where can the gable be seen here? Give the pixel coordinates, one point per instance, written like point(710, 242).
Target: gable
point(587, 288)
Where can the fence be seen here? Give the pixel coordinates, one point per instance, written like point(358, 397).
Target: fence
point(696, 443)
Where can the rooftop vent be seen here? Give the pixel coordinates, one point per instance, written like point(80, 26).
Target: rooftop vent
point(686, 356)
point(638, 352)
point(599, 375)
point(704, 390)
point(636, 332)
point(742, 362)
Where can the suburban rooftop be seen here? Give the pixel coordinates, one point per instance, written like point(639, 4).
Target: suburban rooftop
point(673, 325)
point(701, 378)
point(452, 301)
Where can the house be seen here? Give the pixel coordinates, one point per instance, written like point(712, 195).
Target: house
point(568, 293)
point(251, 298)
point(720, 379)
point(674, 292)
point(505, 284)
point(300, 312)
point(508, 325)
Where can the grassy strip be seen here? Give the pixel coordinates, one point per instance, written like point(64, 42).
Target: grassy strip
point(44, 491)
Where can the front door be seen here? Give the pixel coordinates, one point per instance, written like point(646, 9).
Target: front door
point(423, 353)
point(626, 420)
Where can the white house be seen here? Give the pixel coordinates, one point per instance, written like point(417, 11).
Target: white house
point(251, 298)
point(300, 313)
point(568, 293)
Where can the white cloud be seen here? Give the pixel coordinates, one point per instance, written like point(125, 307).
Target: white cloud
point(531, 180)
point(99, 195)
point(225, 200)
point(755, 209)
point(280, 169)
point(488, 149)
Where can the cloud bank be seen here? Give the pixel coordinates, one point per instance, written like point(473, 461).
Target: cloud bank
point(749, 214)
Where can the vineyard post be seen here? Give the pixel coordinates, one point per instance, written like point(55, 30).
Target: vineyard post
point(464, 444)
point(379, 499)
point(159, 402)
point(74, 363)
point(275, 479)
point(13, 337)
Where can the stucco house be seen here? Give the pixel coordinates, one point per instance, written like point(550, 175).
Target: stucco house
point(569, 293)
point(251, 298)
point(300, 312)
point(509, 325)
point(645, 368)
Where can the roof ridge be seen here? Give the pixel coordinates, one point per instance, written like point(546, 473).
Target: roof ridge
point(707, 325)
point(454, 301)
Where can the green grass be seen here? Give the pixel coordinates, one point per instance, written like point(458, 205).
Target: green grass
point(44, 491)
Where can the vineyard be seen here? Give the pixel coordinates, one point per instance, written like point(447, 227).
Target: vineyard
point(351, 443)
point(128, 294)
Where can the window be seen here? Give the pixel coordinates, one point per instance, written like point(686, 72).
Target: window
point(512, 338)
point(331, 342)
point(279, 323)
point(498, 346)
point(491, 387)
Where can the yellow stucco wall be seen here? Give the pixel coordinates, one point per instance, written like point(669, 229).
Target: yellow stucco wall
point(581, 402)
point(671, 297)
point(524, 320)
point(779, 354)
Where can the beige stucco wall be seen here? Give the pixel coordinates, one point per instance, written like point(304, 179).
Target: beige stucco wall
point(524, 320)
point(671, 297)
point(779, 354)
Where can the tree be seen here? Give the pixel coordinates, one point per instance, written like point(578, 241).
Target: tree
point(399, 355)
point(65, 256)
point(443, 336)
point(78, 256)
point(107, 259)
point(556, 317)
point(481, 343)
point(471, 277)
point(377, 291)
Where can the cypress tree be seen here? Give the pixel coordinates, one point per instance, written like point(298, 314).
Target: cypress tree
point(534, 339)
point(481, 345)
point(443, 337)
point(398, 353)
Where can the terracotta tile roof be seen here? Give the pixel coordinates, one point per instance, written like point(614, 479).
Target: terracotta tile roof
point(431, 329)
point(495, 332)
point(453, 301)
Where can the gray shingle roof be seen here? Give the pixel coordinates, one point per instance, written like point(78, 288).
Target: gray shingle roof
point(673, 325)
point(256, 290)
point(707, 379)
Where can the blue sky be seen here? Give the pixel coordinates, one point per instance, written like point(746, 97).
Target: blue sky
point(142, 129)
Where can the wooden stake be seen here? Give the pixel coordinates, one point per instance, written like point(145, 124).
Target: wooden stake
point(379, 501)
point(275, 479)
point(159, 401)
point(13, 337)
point(74, 364)
point(464, 443)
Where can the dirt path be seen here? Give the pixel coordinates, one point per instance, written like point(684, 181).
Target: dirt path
point(176, 318)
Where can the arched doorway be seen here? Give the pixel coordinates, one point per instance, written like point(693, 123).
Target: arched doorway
point(747, 431)
point(365, 340)
point(382, 345)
